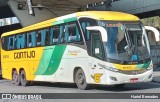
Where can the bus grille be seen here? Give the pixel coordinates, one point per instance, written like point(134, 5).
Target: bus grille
point(133, 72)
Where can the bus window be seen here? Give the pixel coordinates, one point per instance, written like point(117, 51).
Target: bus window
point(5, 43)
point(31, 39)
point(38, 38)
point(51, 35)
point(72, 33)
point(85, 22)
point(11, 43)
point(66, 33)
point(47, 40)
point(96, 45)
point(61, 34)
point(42, 37)
point(56, 32)
point(20, 41)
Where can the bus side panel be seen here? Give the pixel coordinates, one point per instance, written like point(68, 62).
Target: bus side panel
point(63, 72)
point(6, 73)
point(52, 63)
point(33, 63)
point(80, 63)
point(26, 59)
point(9, 64)
point(77, 58)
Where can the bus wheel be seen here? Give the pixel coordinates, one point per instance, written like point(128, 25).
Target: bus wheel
point(80, 80)
point(23, 80)
point(119, 85)
point(16, 78)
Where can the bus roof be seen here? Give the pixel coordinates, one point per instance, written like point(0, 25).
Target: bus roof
point(99, 15)
point(109, 15)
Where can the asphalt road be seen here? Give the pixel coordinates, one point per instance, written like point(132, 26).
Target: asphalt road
point(39, 87)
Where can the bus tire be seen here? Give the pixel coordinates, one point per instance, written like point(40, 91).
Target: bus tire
point(16, 78)
point(80, 80)
point(119, 85)
point(23, 79)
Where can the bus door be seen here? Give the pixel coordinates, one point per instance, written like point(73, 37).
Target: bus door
point(97, 72)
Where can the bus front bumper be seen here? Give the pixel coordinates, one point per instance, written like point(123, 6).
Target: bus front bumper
point(113, 78)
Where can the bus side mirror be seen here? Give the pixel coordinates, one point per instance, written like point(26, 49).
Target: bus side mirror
point(101, 30)
point(155, 31)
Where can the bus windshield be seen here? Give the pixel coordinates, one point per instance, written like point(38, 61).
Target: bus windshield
point(127, 41)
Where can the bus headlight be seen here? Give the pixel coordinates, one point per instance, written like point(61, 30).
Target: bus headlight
point(112, 69)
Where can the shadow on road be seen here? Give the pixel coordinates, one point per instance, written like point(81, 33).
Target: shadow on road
point(128, 87)
point(3, 81)
point(56, 85)
point(1, 77)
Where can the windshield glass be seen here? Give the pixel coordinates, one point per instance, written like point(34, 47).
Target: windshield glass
point(126, 41)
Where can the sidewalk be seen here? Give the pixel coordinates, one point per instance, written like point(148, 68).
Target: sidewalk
point(156, 76)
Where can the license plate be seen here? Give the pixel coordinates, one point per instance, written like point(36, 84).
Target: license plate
point(134, 80)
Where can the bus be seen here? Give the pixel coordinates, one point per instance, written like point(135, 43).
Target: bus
point(0, 61)
point(90, 47)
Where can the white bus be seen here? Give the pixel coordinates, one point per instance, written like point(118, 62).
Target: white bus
point(93, 47)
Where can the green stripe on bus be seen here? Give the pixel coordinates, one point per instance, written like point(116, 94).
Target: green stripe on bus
point(70, 19)
point(45, 59)
point(65, 21)
point(50, 60)
point(139, 66)
point(58, 22)
point(55, 59)
point(146, 65)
